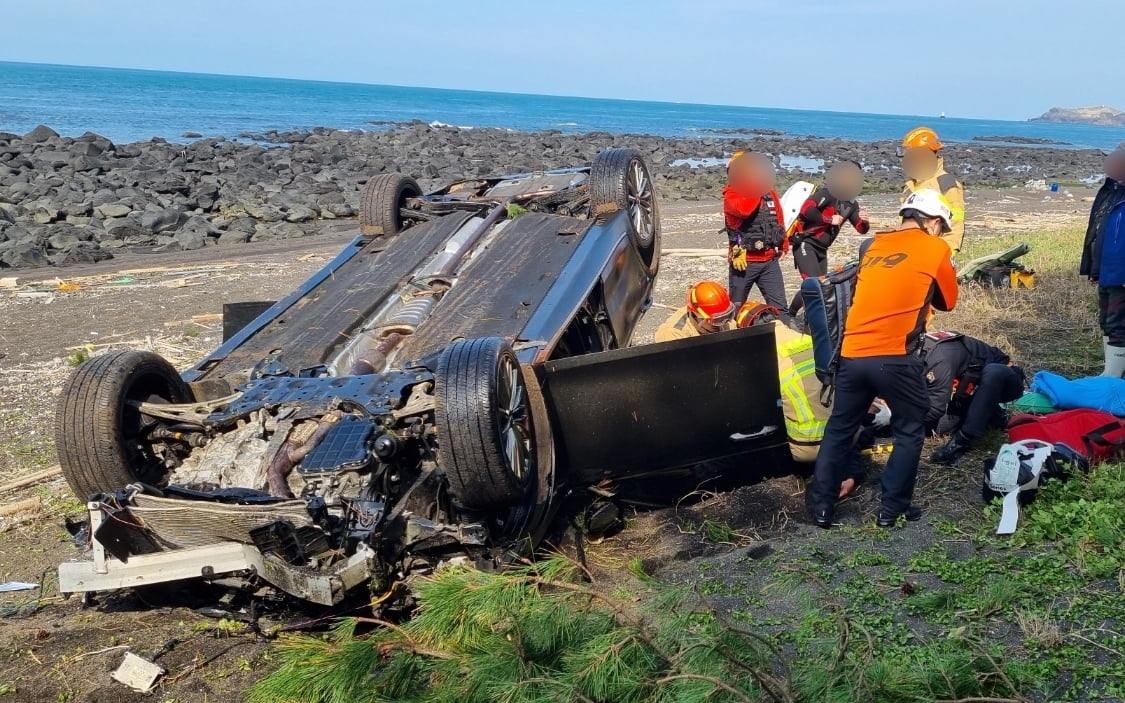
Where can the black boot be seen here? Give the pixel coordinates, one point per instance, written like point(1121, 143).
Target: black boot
point(952, 451)
point(822, 516)
point(887, 518)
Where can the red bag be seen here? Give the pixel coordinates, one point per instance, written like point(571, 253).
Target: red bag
point(1096, 434)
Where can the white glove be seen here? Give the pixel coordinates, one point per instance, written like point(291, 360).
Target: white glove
point(882, 413)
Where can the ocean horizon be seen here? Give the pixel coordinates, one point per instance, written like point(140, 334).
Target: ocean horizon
point(128, 105)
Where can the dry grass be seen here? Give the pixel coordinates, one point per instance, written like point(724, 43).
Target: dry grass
point(1053, 326)
point(1040, 629)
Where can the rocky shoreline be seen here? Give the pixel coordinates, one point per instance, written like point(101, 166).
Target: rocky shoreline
point(67, 200)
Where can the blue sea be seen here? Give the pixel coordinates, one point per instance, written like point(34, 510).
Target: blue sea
point(133, 105)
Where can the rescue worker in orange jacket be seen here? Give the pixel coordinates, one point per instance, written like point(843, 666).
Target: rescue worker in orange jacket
point(755, 228)
point(924, 167)
point(902, 274)
point(709, 309)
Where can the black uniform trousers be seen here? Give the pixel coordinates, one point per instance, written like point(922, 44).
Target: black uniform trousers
point(999, 383)
point(769, 279)
point(812, 262)
point(899, 381)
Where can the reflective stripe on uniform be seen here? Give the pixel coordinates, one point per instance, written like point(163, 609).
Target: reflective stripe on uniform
point(801, 423)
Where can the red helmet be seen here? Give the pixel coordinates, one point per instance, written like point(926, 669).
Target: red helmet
point(709, 301)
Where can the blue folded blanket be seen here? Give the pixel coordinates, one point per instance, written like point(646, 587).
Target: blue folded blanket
point(1097, 392)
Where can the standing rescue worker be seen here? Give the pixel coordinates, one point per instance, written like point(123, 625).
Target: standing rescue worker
point(709, 309)
point(925, 169)
point(968, 380)
point(821, 218)
point(1103, 261)
point(755, 230)
point(903, 273)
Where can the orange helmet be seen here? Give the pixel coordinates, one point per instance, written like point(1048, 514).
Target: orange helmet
point(709, 301)
point(921, 136)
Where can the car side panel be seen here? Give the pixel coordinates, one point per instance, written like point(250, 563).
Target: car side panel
point(627, 289)
point(603, 248)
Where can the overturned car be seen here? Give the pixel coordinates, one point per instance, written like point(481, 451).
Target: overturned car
point(430, 396)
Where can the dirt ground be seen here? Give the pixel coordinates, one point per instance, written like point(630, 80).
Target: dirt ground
point(55, 649)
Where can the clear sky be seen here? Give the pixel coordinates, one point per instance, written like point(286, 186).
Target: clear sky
point(1004, 59)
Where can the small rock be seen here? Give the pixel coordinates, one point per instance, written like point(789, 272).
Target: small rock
point(300, 213)
point(264, 213)
point(234, 236)
point(45, 215)
point(64, 239)
point(192, 135)
point(39, 135)
point(111, 210)
point(337, 210)
point(191, 239)
point(27, 255)
point(161, 221)
point(81, 253)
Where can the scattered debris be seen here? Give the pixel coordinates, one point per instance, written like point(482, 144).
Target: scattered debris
point(17, 586)
point(138, 673)
point(9, 282)
point(209, 317)
point(20, 506)
point(30, 479)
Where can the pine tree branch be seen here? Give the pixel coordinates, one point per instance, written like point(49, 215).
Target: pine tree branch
point(408, 642)
point(709, 679)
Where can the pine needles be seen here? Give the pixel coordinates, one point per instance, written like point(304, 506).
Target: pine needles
point(542, 633)
point(534, 634)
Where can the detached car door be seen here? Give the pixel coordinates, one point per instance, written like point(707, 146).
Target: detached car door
point(657, 408)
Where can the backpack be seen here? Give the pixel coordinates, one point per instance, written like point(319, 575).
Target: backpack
point(827, 300)
point(1018, 469)
point(1094, 434)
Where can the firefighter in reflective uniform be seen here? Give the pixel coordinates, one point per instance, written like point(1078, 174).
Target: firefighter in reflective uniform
point(967, 380)
point(925, 169)
point(755, 231)
point(708, 309)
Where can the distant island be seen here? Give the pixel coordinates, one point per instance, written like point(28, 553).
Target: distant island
point(1102, 116)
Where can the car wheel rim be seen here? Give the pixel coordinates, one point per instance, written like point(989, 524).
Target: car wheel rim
point(515, 420)
point(641, 202)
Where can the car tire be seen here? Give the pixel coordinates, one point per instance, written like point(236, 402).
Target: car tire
point(381, 203)
point(620, 179)
point(97, 432)
point(486, 436)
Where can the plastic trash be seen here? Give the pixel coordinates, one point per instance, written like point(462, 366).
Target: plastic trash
point(17, 586)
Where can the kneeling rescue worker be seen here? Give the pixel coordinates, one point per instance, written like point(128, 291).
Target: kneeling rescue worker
point(709, 309)
point(902, 274)
point(755, 230)
point(968, 380)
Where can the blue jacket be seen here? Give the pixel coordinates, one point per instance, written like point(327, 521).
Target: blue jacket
point(1109, 196)
point(1111, 258)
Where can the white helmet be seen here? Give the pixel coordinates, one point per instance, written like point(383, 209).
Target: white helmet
point(930, 203)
